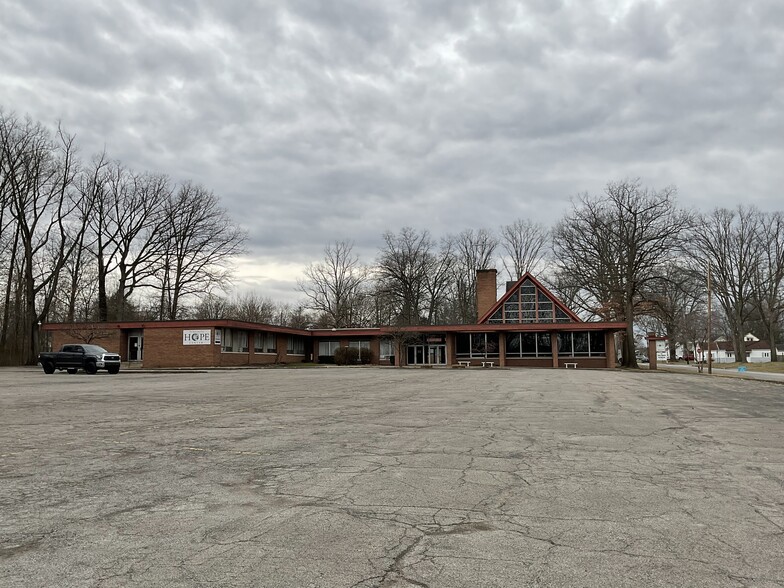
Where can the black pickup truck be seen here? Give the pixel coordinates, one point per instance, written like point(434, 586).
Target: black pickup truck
point(72, 357)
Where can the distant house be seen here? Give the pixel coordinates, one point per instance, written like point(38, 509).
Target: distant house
point(757, 351)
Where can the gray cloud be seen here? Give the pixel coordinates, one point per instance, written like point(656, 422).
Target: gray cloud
point(318, 121)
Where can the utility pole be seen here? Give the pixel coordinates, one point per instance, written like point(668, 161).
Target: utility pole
point(710, 336)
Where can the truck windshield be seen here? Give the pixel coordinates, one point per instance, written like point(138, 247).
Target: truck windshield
point(94, 349)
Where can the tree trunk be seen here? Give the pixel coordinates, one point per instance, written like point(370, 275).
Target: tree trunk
point(774, 356)
point(7, 305)
point(103, 305)
point(30, 354)
point(629, 351)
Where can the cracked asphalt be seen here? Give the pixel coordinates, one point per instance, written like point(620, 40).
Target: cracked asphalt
point(390, 478)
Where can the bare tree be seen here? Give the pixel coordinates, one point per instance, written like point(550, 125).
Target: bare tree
point(413, 275)
point(731, 242)
point(402, 269)
point(614, 247)
point(200, 240)
point(674, 296)
point(253, 308)
point(768, 294)
point(335, 286)
point(525, 245)
point(292, 315)
point(141, 215)
point(212, 307)
point(126, 229)
point(39, 171)
point(82, 275)
point(474, 250)
point(438, 280)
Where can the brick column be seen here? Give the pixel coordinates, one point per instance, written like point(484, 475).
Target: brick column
point(451, 351)
point(554, 345)
point(609, 349)
point(485, 290)
point(502, 349)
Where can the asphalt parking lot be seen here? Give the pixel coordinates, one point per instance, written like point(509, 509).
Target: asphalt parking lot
point(368, 477)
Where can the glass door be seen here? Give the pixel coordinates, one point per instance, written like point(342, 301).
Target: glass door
point(427, 355)
point(134, 348)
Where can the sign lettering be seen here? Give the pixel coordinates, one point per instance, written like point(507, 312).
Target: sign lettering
point(200, 337)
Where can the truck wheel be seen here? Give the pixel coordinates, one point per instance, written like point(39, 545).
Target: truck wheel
point(90, 367)
point(114, 370)
point(72, 370)
point(48, 367)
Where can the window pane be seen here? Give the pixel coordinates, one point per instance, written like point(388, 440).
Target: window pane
point(295, 346)
point(528, 344)
point(477, 344)
point(491, 346)
point(544, 344)
point(463, 343)
point(565, 344)
point(328, 347)
point(561, 316)
point(513, 344)
point(580, 343)
point(542, 297)
point(597, 344)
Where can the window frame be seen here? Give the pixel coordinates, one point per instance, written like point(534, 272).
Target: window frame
point(291, 349)
point(264, 340)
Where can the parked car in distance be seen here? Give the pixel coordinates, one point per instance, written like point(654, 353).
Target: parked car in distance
point(76, 356)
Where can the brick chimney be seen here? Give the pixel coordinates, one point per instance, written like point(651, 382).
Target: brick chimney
point(485, 290)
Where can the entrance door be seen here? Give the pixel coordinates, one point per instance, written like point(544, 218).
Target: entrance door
point(135, 348)
point(427, 355)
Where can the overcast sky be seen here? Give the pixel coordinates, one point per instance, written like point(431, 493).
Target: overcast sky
point(319, 120)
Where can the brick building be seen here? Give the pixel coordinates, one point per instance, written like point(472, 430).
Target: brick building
point(527, 326)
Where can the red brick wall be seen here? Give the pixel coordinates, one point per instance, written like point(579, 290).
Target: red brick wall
point(584, 362)
point(164, 348)
point(529, 362)
point(109, 339)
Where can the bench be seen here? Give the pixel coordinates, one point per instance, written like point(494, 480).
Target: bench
point(465, 364)
point(486, 363)
point(567, 364)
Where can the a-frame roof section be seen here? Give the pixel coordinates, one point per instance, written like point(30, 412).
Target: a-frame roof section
point(516, 288)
